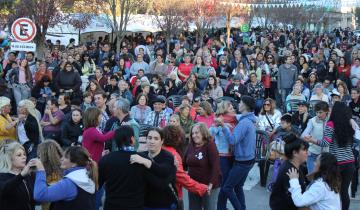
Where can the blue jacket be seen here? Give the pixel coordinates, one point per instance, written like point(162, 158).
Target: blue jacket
point(243, 137)
point(221, 141)
point(65, 189)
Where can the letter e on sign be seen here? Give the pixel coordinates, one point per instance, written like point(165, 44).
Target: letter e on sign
point(23, 30)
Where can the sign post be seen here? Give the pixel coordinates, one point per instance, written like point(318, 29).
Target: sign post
point(23, 31)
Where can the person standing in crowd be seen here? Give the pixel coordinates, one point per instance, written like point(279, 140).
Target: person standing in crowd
point(174, 140)
point(160, 191)
point(205, 114)
point(256, 90)
point(100, 102)
point(16, 182)
point(315, 129)
point(93, 138)
point(7, 124)
point(50, 154)
point(202, 160)
point(125, 182)
point(296, 154)
point(243, 138)
point(338, 136)
point(286, 77)
point(77, 189)
point(323, 193)
point(22, 81)
point(51, 121)
point(122, 117)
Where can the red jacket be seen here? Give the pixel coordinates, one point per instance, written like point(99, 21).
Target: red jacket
point(183, 179)
point(93, 141)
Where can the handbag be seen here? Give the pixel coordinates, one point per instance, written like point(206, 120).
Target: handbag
point(177, 205)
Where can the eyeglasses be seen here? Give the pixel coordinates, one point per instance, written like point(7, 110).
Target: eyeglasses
point(269, 58)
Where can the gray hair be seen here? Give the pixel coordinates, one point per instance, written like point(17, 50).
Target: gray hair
point(123, 104)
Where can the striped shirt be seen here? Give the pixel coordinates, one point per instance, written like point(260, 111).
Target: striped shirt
point(343, 154)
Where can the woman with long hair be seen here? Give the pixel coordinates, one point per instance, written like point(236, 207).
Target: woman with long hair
point(332, 71)
point(77, 189)
point(87, 65)
point(72, 129)
point(323, 192)
point(223, 71)
point(22, 81)
point(312, 81)
point(304, 66)
point(338, 136)
point(50, 154)
point(29, 130)
point(214, 89)
point(174, 139)
point(16, 182)
point(344, 92)
point(93, 87)
point(190, 90)
point(269, 116)
point(93, 138)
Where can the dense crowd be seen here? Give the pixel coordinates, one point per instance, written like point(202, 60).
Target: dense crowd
point(87, 126)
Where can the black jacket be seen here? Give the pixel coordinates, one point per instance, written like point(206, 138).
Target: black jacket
point(68, 80)
point(16, 192)
point(158, 193)
point(70, 132)
point(230, 91)
point(32, 129)
point(280, 198)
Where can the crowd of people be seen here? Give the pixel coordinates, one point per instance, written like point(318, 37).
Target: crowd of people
point(87, 126)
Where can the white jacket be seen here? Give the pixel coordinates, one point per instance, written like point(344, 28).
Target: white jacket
point(263, 123)
point(317, 197)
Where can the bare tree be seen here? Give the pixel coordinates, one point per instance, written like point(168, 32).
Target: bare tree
point(202, 13)
point(119, 13)
point(169, 17)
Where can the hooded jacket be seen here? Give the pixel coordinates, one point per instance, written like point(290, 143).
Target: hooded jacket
point(243, 137)
point(64, 190)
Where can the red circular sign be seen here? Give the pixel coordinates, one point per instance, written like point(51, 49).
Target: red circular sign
point(23, 30)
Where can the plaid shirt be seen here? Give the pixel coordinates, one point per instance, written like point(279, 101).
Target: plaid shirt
point(162, 120)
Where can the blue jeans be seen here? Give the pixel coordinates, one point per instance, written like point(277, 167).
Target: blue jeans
point(310, 162)
point(99, 194)
point(226, 164)
point(236, 179)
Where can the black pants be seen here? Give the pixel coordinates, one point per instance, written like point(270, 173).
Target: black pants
point(346, 173)
point(355, 179)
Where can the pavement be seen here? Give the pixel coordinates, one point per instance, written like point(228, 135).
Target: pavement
point(257, 197)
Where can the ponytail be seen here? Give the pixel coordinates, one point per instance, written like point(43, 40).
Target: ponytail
point(93, 173)
point(81, 157)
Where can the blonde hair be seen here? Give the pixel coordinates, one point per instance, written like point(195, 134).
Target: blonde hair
point(50, 154)
point(7, 150)
point(222, 107)
point(31, 109)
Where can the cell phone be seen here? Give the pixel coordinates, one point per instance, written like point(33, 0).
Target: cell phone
point(32, 168)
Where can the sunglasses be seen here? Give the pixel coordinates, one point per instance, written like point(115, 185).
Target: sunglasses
point(267, 104)
point(269, 58)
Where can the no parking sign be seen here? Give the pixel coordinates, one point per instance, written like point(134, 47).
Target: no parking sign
point(23, 31)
